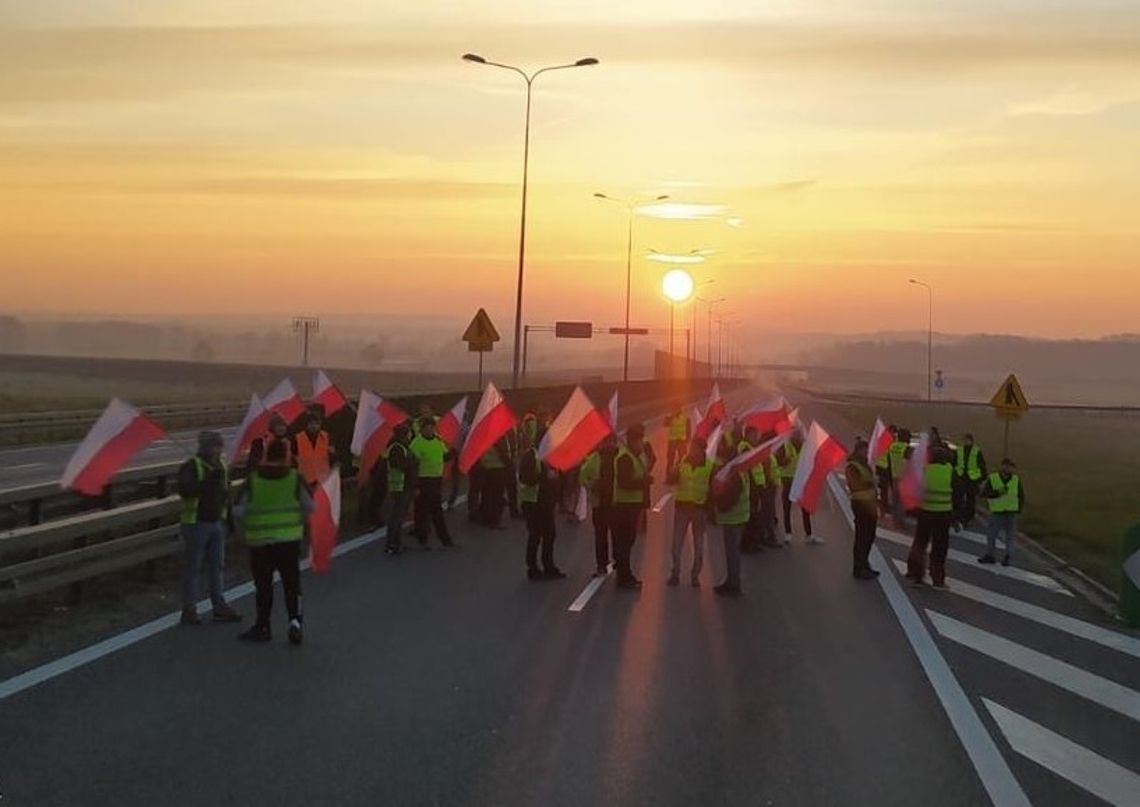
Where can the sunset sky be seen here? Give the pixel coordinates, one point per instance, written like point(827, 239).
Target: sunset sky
point(337, 157)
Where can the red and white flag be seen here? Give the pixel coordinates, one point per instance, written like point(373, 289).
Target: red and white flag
point(712, 448)
point(789, 423)
point(492, 420)
point(881, 439)
point(451, 425)
point(572, 435)
point(324, 521)
point(767, 416)
point(253, 425)
point(285, 401)
point(715, 414)
point(120, 432)
point(912, 486)
point(753, 457)
point(376, 419)
point(327, 394)
point(612, 411)
point(820, 455)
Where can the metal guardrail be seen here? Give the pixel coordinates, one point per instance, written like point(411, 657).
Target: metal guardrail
point(858, 397)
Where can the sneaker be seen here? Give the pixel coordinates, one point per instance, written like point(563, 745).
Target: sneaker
point(295, 633)
point(726, 589)
point(787, 538)
point(190, 616)
point(554, 573)
point(674, 579)
point(916, 582)
point(815, 540)
point(533, 574)
point(695, 581)
point(939, 584)
point(258, 633)
point(987, 559)
point(1005, 561)
point(226, 614)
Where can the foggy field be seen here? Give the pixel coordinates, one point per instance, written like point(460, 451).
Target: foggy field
point(1080, 470)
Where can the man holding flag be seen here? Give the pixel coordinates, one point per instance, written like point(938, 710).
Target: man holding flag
point(431, 454)
point(861, 486)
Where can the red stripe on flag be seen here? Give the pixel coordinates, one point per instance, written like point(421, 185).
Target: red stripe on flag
point(114, 454)
point(581, 440)
point(485, 433)
point(828, 456)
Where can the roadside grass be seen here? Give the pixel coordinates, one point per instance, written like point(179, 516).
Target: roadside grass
point(1080, 470)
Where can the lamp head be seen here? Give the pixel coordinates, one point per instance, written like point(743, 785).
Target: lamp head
point(587, 62)
point(474, 57)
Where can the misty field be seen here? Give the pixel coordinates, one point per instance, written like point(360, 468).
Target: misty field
point(1080, 470)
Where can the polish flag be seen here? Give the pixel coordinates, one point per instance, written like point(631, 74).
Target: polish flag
point(612, 411)
point(715, 414)
point(713, 445)
point(912, 486)
point(753, 457)
point(375, 421)
point(767, 416)
point(881, 439)
point(253, 425)
point(451, 424)
point(120, 432)
point(327, 394)
point(789, 423)
point(492, 420)
point(324, 521)
point(821, 454)
point(572, 435)
point(284, 400)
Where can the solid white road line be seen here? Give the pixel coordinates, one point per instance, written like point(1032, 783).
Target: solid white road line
point(990, 765)
point(1068, 624)
point(53, 669)
point(1012, 572)
point(588, 592)
point(27, 466)
point(664, 500)
point(1099, 776)
point(1059, 673)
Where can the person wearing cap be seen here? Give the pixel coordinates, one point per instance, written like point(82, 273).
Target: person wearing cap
point(969, 471)
point(431, 454)
point(1005, 495)
point(315, 454)
point(631, 496)
point(401, 466)
point(204, 487)
point(272, 510)
point(278, 430)
point(861, 488)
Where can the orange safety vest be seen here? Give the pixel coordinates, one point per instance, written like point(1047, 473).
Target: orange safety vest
point(313, 459)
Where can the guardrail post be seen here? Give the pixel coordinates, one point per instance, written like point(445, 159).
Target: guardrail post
point(35, 512)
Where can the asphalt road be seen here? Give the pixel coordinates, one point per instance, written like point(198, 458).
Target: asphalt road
point(447, 678)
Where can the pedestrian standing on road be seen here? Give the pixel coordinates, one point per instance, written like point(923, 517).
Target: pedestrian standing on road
point(631, 495)
point(690, 504)
point(539, 491)
point(493, 470)
point(769, 490)
point(431, 455)
point(401, 468)
point(752, 538)
point(933, 527)
point(204, 486)
point(315, 453)
point(883, 473)
point(732, 499)
point(278, 432)
point(899, 454)
point(1005, 495)
point(679, 431)
point(272, 510)
point(597, 477)
point(511, 476)
point(969, 471)
point(788, 458)
point(861, 487)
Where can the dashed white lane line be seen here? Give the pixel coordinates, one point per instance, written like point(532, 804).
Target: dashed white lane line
point(1012, 572)
point(1092, 772)
point(1061, 622)
point(991, 767)
point(587, 593)
point(27, 466)
point(664, 500)
point(1080, 682)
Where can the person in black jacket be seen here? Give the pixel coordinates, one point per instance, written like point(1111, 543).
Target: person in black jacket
point(541, 489)
point(203, 485)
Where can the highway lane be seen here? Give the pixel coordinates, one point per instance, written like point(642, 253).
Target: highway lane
point(447, 678)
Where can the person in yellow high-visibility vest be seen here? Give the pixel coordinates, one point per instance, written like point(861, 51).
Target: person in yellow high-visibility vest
point(861, 487)
point(1005, 495)
point(692, 477)
point(934, 517)
point(678, 430)
point(898, 456)
point(969, 472)
point(732, 502)
point(631, 495)
point(883, 473)
point(788, 459)
point(431, 455)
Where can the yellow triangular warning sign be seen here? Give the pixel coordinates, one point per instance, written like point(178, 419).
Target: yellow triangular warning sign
point(1010, 399)
point(481, 331)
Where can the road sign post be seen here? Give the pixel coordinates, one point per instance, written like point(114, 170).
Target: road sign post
point(1009, 404)
point(481, 337)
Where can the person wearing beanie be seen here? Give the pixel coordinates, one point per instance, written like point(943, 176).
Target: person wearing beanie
point(203, 485)
point(278, 430)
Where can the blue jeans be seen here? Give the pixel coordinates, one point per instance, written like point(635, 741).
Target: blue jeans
point(205, 546)
point(1005, 525)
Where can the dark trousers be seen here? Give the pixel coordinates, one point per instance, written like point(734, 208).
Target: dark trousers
point(785, 494)
point(397, 512)
point(539, 531)
point(768, 515)
point(750, 535)
point(932, 529)
point(491, 500)
point(603, 529)
point(624, 519)
point(285, 559)
point(475, 479)
point(428, 510)
point(965, 500)
point(866, 523)
point(511, 481)
point(884, 477)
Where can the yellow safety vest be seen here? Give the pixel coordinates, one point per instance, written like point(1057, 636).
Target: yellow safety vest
point(897, 455)
point(1008, 500)
point(190, 506)
point(693, 482)
point(634, 495)
point(741, 511)
point(430, 453)
point(968, 464)
point(273, 510)
point(938, 496)
point(864, 490)
point(678, 428)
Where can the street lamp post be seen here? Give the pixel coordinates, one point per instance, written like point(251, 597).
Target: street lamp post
point(693, 319)
point(708, 347)
point(929, 337)
point(631, 206)
point(529, 79)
